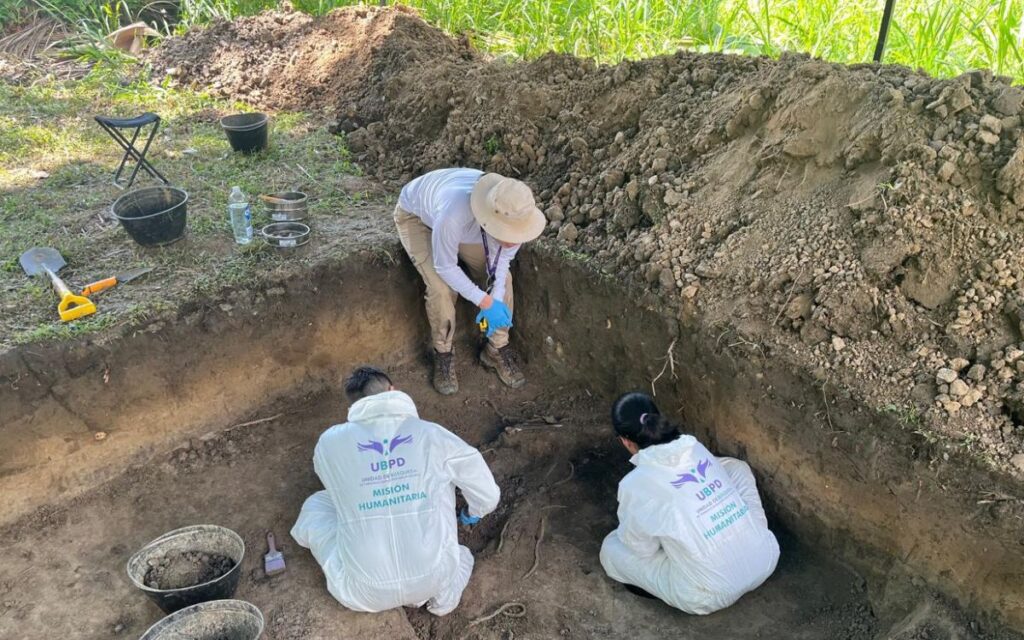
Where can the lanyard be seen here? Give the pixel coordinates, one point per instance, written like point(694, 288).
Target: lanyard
point(492, 268)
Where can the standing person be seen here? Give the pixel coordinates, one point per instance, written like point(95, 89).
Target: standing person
point(692, 531)
point(383, 529)
point(463, 214)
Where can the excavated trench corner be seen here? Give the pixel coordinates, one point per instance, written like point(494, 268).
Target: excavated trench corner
point(213, 417)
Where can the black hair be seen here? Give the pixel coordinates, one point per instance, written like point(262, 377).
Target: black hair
point(366, 381)
point(636, 417)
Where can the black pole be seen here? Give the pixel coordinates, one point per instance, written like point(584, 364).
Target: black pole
point(883, 32)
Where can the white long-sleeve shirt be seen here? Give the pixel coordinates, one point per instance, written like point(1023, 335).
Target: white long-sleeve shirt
point(441, 200)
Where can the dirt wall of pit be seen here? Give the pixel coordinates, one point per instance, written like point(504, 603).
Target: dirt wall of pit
point(214, 364)
point(839, 475)
point(859, 483)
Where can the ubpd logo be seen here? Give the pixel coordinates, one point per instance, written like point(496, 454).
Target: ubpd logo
point(699, 475)
point(385, 465)
point(709, 489)
point(385, 447)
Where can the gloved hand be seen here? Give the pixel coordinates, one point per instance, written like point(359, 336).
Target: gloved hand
point(466, 519)
point(498, 316)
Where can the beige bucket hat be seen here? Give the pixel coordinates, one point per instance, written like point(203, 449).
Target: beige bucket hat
point(505, 209)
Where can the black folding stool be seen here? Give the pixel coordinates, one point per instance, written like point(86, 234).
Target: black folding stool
point(113, 127)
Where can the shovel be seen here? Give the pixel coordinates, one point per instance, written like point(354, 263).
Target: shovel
point(48, 261)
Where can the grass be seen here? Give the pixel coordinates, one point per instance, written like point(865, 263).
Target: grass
point(908, 415)
point(55, 170)
point(943, 37)
point(65, 331)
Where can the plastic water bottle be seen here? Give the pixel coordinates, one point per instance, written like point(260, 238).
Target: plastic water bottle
point(241, 216)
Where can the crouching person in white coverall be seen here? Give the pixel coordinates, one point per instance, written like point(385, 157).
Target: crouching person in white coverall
point(384, 529)
point(692, 531)
point(450, 216)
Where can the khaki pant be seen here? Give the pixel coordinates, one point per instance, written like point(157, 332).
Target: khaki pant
point(415, 237)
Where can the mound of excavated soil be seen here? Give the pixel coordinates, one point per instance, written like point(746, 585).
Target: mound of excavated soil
point(862, 222)
point(293, 60)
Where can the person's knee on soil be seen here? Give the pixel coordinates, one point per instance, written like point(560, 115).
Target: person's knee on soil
point(438, 213)
point(692, 530)
point(384, 529)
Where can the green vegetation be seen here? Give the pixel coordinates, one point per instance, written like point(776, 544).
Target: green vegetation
point(908, 415)
point(492, 145)
point(55, 170)
point(64, 331)
point(944, 37)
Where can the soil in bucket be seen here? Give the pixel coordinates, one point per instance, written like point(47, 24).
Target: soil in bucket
point(181, 569)
point(217, 620)
point(190, 565)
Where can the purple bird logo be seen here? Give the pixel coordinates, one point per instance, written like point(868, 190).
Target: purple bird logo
point(701, 471)
point(385, 446)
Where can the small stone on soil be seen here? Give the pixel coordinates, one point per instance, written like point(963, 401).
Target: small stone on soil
point(958, 388)
point(959, 364)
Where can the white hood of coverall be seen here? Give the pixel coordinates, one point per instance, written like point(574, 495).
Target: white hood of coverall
point(390, 538)
point(695, 523)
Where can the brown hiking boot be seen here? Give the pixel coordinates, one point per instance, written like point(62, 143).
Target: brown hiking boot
point(505, 363)
point(445, 381)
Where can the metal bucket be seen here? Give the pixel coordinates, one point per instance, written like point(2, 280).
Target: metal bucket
point(286, 206)
point(285, 235)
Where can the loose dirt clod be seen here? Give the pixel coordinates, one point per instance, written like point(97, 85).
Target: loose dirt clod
point(861, 222)
point(186, 569)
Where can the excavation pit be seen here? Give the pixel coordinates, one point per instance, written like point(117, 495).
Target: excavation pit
point(223, 432)
point(255, 478)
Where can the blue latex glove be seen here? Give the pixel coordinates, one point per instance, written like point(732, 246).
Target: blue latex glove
point(466, 519)
point(498, 316)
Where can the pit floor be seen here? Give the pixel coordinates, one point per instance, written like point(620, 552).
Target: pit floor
point(63, 570)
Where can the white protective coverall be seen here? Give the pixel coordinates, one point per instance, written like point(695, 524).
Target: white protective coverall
point(692, 530)
point(384, 529)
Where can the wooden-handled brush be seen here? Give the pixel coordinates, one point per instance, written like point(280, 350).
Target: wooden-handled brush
point(273, 562)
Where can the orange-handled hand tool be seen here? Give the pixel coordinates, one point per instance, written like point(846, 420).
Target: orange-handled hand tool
point(99, 285)
point(106, 283)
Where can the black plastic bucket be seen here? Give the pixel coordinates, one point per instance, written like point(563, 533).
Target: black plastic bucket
point(247, 132)
point(217, 620)
point(153, 216)
point(203, 538)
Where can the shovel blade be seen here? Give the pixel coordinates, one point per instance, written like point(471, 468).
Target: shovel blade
point(35, 259)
